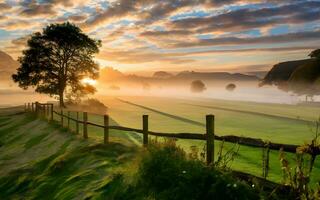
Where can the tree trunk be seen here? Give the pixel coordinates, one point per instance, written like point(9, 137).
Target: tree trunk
point(61, 100)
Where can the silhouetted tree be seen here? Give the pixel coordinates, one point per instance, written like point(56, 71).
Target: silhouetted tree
point(57, 59)
point(197, 86)
point(230, 87)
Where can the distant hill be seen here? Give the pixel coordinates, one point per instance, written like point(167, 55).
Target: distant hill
point(162, 74)
point(7, 63)
point(281, 72)
point(110, 74)
point(7, 67)
point(191, 75)
point(259, 74)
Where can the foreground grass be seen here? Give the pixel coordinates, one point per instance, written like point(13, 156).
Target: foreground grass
point(43, 161)
point(40, 160)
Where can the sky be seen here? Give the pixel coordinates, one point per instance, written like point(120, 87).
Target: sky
point(175, 35)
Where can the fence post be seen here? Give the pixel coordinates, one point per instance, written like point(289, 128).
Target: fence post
point(61, 115)
point(68, 119)
point(265, 160)
point(28, 107)
point(145, 128)
point(51, 107)
point(43, 111)
point(37, 109)
point(85, 125)
point(47, 113)
point(106, 129)
point(210, 138)
point(77, 123)
point(32, 107)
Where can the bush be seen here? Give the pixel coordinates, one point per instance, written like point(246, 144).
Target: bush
point(230, 87)
point(165, 173)
point(197, 86)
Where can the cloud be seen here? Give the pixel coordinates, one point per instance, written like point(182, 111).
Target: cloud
point(149, 31)
point(245, 19)
point(146, 55)
point(141, 56)
point(76, 18)
point(3, 18)
point(20, 42)
point(13, 25)
point(271, 39)
point(148, 11)
point(33, 8)
point(5, 7)
point(169, 33)
point(117, 9)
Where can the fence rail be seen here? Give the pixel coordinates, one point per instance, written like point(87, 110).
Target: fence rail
point(47, 111)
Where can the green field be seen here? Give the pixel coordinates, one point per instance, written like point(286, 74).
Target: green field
point(247, 119)
point(273, 122)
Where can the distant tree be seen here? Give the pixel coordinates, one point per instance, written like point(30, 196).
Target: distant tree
point(57, 59)
point(197, 86)
point(230, 87)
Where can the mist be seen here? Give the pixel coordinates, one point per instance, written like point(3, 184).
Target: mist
point(244, 91)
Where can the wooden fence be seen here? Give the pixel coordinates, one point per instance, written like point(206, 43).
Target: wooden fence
point(46, 110)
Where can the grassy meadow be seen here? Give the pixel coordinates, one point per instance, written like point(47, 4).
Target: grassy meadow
point(40, 160)
point(257, 120)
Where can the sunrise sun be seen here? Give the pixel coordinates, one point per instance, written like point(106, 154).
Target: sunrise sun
point(89, 81)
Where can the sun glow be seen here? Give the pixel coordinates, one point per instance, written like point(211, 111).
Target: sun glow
point(89, 81)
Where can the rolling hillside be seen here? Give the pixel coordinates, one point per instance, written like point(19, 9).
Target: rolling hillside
point(7, 66)
point(38, 159)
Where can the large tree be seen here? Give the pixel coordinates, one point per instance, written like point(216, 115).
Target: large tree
point(57, 59)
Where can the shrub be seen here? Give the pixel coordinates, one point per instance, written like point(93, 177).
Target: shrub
point(230, 87)
point(197, 86)
point(165, 173)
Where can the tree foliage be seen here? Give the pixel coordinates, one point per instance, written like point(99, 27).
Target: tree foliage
point(197, 86)
point(57, 59)
point(230, 87)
